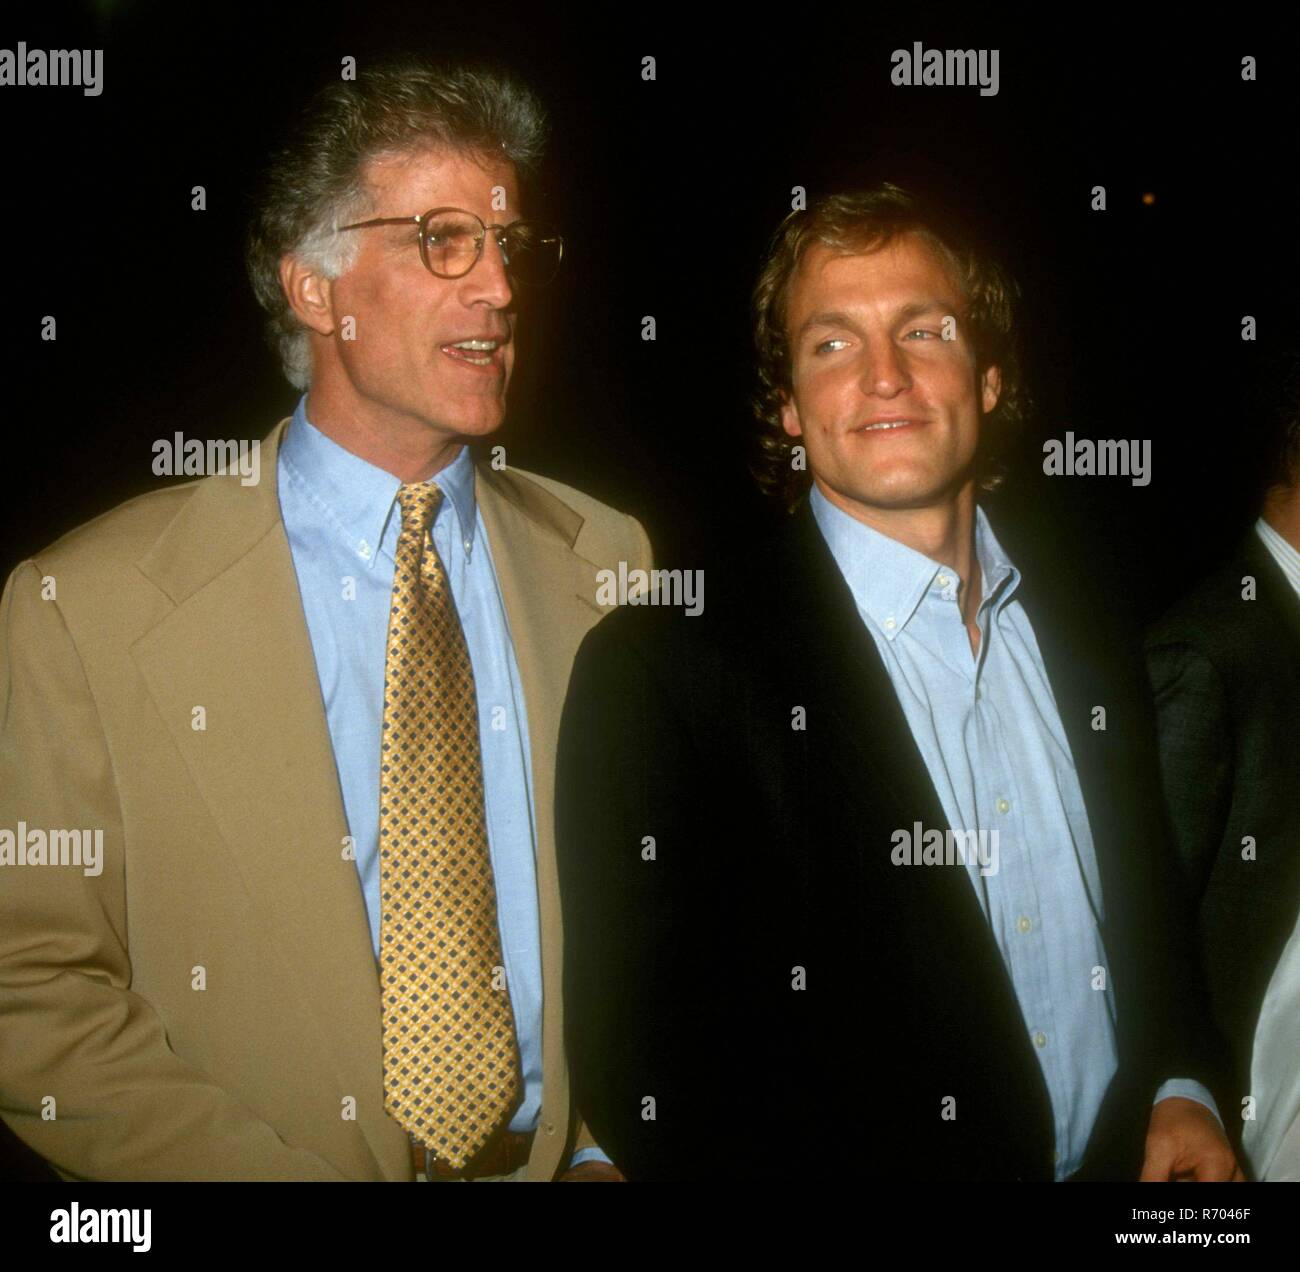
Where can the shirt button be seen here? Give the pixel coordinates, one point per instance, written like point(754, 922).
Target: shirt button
point(1040, 1039)
point(889, 622)
point(364, 551)
point(1023, 923)
point(1002, 806)
point(943, 580)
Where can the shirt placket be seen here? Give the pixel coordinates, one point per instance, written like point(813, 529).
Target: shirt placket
point(1015, 904)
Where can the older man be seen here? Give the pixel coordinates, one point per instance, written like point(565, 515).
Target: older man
point(899, 907)
point(313, 719)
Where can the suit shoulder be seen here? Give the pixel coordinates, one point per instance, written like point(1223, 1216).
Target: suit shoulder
point(689, 619)
point(586, 506)
point(1212, 617)
point(116, 539)
point(602, 534)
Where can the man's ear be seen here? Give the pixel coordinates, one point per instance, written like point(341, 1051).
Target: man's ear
point(309, 293)
point(992, 388)
point(790, 417)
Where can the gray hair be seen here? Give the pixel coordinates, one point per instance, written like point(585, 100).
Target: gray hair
point(315, 182)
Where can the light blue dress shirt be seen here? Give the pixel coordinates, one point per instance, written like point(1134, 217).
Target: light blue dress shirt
point(342, 521)
point(987, 726)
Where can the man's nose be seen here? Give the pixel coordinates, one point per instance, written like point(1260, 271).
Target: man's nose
point(489, 280)
point(884, 371)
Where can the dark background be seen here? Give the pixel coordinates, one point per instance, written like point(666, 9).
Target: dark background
point(666, 193)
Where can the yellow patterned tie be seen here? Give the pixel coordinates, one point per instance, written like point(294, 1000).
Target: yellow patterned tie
point(451, 1060)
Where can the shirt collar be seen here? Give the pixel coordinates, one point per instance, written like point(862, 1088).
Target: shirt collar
point(889, 580)
point(1282, 552)
point(1000, 576)
point(359, 497)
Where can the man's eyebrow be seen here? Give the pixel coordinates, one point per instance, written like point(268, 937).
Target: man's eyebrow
point(917, 308)
point(830, 318)
point(837, 318)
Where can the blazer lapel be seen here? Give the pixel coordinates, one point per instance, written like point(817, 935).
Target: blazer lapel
point(838, 657)
point(237, 646)
point(833, 655)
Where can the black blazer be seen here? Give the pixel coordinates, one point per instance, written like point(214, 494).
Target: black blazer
point(1226, 673)
point(771, 854)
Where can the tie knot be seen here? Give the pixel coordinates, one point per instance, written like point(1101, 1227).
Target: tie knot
point(419, 503)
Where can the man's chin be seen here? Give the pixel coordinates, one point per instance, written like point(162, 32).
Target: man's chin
point(471, 429)
point(904, 490)
point(902, 496)
point(468, 424)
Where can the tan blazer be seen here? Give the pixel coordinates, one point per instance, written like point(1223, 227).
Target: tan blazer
point(207, 1007)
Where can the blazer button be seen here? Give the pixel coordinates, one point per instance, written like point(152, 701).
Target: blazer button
point(549, 1128)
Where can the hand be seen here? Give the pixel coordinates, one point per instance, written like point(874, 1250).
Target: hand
point(593, 1172)
point(1185, 1143)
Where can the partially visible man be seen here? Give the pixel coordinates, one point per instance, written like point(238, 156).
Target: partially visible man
point(313, 719)
point(1271, 1138)
point(1225, 666)
point(853, 880)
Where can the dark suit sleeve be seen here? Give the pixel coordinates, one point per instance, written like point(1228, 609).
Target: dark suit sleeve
point(632, 974)
point(1195, 754)
point(1196, 772)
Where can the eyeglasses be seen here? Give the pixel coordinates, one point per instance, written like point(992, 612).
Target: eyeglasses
point(451, 243)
